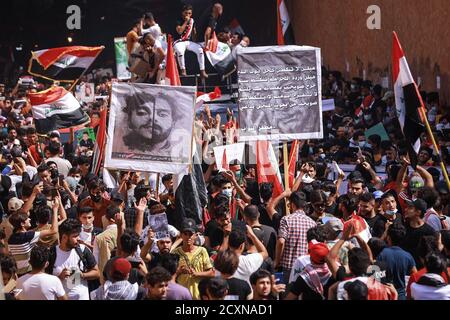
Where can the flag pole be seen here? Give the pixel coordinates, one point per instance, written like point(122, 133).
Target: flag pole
point(286, 171)
point(158, 175)
point(430, 134)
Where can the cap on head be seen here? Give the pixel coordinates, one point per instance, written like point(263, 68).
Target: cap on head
point(419, 204)
point(318, 251)
point(416, 182)
point(189, 225)
point(120, 268)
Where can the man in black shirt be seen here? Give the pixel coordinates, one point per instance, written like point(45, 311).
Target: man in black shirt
point(416, 228)
point(367, 210)
point(389, 213)
point(213, 21)
point(216, 228)
point(267, 235)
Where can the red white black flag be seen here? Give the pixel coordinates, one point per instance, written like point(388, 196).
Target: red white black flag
point(285, 35)
point(62, 64)
point(56, 108)
point(407, 100)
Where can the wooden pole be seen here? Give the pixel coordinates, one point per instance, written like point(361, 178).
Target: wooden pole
point(158, 176)
point(424, 117)
point(430, 134)
point(286, 171)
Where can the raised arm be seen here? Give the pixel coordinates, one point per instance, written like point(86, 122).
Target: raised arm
point(232, 178)
point(29, 203)
point(54, 227)
point(273, 203)
point(258, 244)
point(401, 175)
point(145, 250)
point(426, 176)
point(333, 256)
point(138, 226)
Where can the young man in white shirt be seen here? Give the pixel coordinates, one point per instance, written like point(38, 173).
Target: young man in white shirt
point(153, 27)
point(37, 285)
point(247, 263)
point(74, 264)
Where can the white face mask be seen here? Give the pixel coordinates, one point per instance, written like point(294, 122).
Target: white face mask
point(228, 192)
point(327, 193)
point(322, 155)
point(362, 144)
point(391, 212)
point(307, 179)
point(88, 226)
point(77, 179)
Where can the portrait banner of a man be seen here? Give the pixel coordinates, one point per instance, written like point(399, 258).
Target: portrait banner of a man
point(150, 127)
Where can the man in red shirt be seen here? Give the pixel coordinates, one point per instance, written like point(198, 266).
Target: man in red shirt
point(96, 201)
point(33, 145)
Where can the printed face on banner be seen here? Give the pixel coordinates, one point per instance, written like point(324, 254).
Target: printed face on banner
point(85, 92)
point(159, 225)
point(150, 124)
point(279, 93)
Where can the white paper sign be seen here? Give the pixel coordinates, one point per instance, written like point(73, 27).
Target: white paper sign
point(328, 105)
point(233, 152)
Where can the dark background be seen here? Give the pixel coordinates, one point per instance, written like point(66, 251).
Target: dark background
point(41, 24)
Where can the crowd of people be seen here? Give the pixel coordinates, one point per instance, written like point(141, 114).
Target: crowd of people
point(66, 235)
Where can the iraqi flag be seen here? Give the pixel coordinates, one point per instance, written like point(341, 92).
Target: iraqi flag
point(219, 55)
point(267, 167)
point(285, 34)
point(65, 64)
point(360, 227)
point(407, 101)
point(56, 108)
point(207, 97)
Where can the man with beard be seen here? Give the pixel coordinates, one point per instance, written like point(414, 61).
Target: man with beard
point(151, 122)
point(73, 263)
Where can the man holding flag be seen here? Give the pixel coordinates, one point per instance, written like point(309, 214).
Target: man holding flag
point(410, 108)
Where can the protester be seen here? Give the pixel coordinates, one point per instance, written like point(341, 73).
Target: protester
point(37, 285)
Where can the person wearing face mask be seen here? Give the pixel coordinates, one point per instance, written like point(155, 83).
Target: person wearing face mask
point(96, 201)
point(88, 230)
point(318, 201)
point(232, 188)
point(389, 215)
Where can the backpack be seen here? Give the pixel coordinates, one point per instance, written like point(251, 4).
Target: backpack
point(92, 284)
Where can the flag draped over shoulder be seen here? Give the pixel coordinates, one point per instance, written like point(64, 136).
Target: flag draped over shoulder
point(65, 64)
point(407, 100)
point(56, 108)
point(267, 167)
point(285, 35)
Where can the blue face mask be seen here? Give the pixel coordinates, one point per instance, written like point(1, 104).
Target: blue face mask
point(227, 192)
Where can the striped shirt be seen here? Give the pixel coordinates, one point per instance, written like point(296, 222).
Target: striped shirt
point(20, 245)
point(293, 230)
